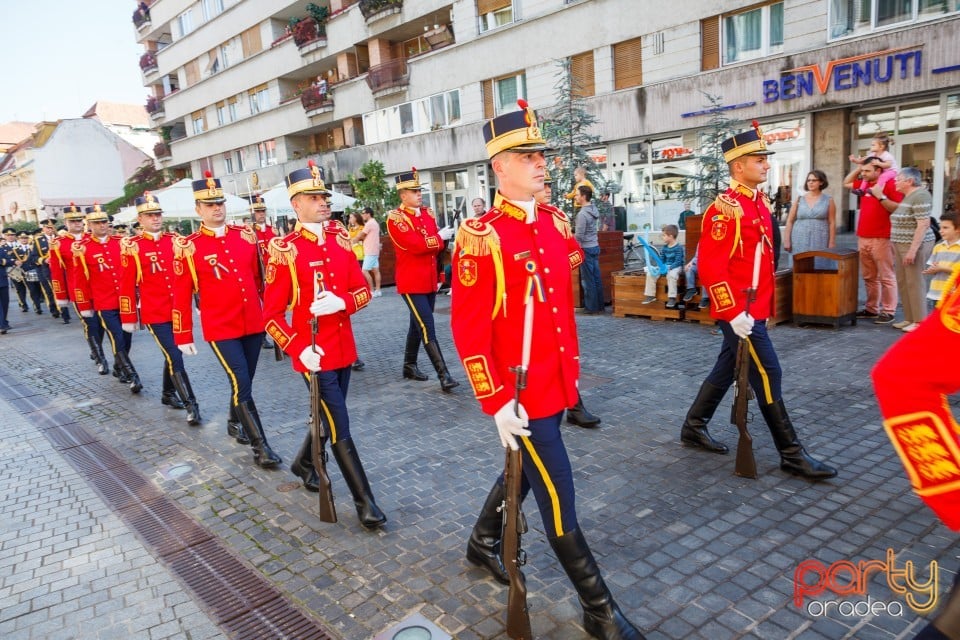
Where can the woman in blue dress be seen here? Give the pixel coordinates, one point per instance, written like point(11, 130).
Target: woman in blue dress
point(812, 221)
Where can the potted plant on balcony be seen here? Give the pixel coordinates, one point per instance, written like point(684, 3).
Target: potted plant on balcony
point(370, 8)
point(148, 61)
point(154, 104)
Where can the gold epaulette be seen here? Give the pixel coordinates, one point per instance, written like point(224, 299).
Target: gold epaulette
point(339, 232)
point(129, 247)
point(766, 199)
point(477, 238)
point(395, 215)
point(560, 221)
point(80, 248)
point(183, 248)
point(248, 234)
point(728, 206)
point(55, 245)
point(430, 212)
point(281, 251)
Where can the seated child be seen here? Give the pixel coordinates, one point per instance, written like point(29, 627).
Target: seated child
point(880, 148)
point(691, 270)
point(672, 255)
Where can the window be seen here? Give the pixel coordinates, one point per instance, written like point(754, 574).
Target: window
point(710, 43)
point(232, 110)
point(224, 60)
point(227, 163)
point(259, 99)
point(627, 64)
point(753, 34)
point(267, 153)
point(854, 17)
point(238, 159)
point(506, 91)
point(222, 114)
point(192, 72)
point(494, 13)
point(581, 68)
point(250, 41)
point(211, 9)
point(185, 22)
point(419, 116)
point(199, 122)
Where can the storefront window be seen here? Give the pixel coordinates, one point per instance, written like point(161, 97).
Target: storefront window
point(870, 123)
point(951, 169)
point(919, 117)
point(953, 110)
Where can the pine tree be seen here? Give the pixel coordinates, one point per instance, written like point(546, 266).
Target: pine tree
point(371, 189)
point(566, 128)
point(712, 174)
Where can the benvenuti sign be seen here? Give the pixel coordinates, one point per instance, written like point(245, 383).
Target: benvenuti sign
point(879, 67)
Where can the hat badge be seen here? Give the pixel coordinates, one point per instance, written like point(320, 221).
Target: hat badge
point(529, 117)
point(315, 172)
point(148, 196)
point(211, 184)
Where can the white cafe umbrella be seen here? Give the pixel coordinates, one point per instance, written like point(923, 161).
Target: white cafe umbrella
point(177, 202)
point(278, 201)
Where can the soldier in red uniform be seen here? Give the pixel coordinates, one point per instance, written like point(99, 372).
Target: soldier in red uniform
point(413, 230)
point(519, 256)
point(736, 251)
point(265, 233)
point(313, 273)
point(221, 263)
point(62, 280)
point(147, 268)
point(97, 288)
point(912, 381)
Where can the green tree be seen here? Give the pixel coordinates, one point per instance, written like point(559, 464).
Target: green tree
point(371, 189)
point(146, 178)
point(567, 129)
point(712, 174)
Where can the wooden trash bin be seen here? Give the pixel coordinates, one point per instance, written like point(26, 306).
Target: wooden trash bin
point(826, 296)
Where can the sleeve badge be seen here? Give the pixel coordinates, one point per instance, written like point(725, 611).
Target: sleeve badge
point(467, 271)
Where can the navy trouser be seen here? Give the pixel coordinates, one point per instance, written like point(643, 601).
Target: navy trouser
point(120, 339)
point(546, 470)
point(421, 317)
point(333, 400)
point(46, 287)
point(162, 332)
point(4, 305)
point(91, 327)
point(591, 280)
point(238, 357)
point(765, 372)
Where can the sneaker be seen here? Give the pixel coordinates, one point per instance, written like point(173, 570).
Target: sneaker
point(864, 313)
point(689, 294)
point(704, 303)
point(910, 327)
point(671, 303)
point(376, 294)
point(901, 324)
point(649, 299)
point(883, 318)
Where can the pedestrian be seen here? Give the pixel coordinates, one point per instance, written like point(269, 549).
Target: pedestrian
point(97, 291)
point(945, 258)
point(580, 179)
point(686, 213)
point(479, 207)
point(418, 242)
point(520, 256)
point(736, 253)
point(370, 237)
point(873, 239)
point(313, 274)
point(221, 263)
point(146, 295)
point(812, 220)
point(913, 242)
point(588, 223)
point(354, 229)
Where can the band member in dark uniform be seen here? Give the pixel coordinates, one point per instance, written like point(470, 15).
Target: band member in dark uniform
point(221, 263)
point(736, 252)
point(913, 380)
point(26, 257)
point(413, 230)
point(314, 273)
point(6, 260)
point(42, 243)
point(512, 274)
point(147, 263)
point(97, 290)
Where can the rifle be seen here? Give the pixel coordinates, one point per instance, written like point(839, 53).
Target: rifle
point(746, 465)
point(328, 511)
point(277, 351)
point(514, 526)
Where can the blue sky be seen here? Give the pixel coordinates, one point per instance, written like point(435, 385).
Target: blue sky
point(61, 56)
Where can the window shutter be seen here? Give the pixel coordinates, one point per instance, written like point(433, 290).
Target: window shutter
point(211, 60)
point(192, 69)
point(627, 64)
point(710, 43)
point(250, 41)
point(487, 89)
point(581, 68)
point(486, 6)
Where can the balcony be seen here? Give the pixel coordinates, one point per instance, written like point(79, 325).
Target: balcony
point(141, 17)
point(309, 35)
point(162, 150)
point(148, 63)
point(376, 9)
point(388, 78)
point(154, 107)
point(316, 101)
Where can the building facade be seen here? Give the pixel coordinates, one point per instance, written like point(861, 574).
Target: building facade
point(249, 89)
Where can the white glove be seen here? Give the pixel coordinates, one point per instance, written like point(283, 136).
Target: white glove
point(742, 325)
point(63, 304)
point(509, 425)
point(327, 303)
point(446, 233)
point(311, 359)
point(188, 349)
point(129, 327)
point(86, 314)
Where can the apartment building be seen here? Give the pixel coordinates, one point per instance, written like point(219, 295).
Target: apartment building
point(251, 88)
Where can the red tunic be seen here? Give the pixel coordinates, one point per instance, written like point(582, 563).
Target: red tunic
point(97, 273)
point(912, 381)
point(733, 226)
point(61, 267)
point(494, 258)
point(415, 238)
point(147, 264)
point(296, 263)
point(225, 271)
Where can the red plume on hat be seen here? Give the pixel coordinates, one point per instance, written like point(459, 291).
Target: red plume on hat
point(754, 124)
point(210, 182)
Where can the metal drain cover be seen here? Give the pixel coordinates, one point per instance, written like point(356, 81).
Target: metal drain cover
point(415, 627)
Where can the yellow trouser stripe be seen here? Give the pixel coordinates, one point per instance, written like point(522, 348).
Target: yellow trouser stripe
point(323, 405)
point(413, 310)
point(162, 350)
point(547, 482)
point(767, 393)
point(107, 331)
point(233, 379)
point(86, 332)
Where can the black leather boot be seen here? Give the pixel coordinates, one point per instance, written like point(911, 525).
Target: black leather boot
point(182, 382)
point(65, 315)
point(103, 367)
point(579, 416)
point(302, 465)
point(234, 429)
point(694, 431)
point(410, 369)
point(349, 461)
point(126, 367)
point(436, 358)
point(483, 549)
point(169, 396)
point(602, 617)
point(793, 457)
point(263, 455)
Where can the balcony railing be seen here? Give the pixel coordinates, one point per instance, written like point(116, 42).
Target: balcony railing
point(308, 30)
point(148, 62)
point(388, 75)
point(372, 8)
point(314, 98)
point(154, 106)
point(141, 16)
point(161, 150)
